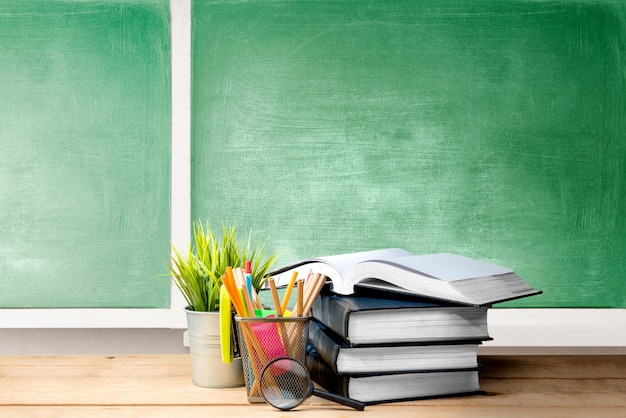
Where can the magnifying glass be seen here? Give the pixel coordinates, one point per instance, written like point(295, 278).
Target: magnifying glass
point(285, 383)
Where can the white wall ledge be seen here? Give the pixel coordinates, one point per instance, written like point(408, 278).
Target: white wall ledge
point(556, 331)
point(601, 328)
point(92, 318)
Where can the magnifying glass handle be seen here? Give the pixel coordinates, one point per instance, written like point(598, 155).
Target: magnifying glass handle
point(359, 406)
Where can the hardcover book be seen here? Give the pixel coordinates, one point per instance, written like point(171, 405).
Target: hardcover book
point(365, 320)
point(345, 359)
point(372, 389)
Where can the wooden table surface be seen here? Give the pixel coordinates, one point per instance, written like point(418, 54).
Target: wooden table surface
point(160, 386)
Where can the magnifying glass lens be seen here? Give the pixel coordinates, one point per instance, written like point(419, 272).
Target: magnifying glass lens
point(285, 383)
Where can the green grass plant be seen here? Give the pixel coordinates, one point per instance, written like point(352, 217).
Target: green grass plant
point(197, 272)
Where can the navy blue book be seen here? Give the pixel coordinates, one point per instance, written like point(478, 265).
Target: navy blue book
point(343, 358)
point(363, 319)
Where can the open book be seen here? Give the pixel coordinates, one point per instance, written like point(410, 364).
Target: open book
point(443, 276)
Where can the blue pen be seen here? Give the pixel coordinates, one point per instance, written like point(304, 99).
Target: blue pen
point(249, 285)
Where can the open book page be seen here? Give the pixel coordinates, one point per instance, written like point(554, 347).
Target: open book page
point(335, 267)
point(443, 276)
point(428, 275)
point(344, 262)
point(446, 266)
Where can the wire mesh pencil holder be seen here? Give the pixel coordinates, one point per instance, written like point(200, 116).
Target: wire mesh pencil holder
point(265, 339)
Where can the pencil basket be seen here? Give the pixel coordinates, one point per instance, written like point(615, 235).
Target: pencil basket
point(264, 339)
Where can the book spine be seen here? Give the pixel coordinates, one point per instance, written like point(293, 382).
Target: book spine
point(331, 314)
point(324, 375)
point(327, 349)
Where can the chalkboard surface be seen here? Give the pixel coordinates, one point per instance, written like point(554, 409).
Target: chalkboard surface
point(494, 129)
point(85, 130)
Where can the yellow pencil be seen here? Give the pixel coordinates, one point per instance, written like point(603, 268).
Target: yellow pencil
point(292, 281)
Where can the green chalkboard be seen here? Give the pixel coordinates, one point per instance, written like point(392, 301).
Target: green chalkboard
point(84, 173)
point(494, 129)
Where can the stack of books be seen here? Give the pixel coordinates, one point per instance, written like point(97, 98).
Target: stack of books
point(392, 326)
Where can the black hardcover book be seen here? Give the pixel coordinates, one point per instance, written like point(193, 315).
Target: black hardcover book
point(346, 359)
point(369, 320)
point(380, 388)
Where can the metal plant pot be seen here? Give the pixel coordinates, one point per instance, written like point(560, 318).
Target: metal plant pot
point(207, 367)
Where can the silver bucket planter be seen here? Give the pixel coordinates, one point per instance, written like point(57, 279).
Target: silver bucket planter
point(207, 368)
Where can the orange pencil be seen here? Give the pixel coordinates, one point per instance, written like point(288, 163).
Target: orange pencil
point(231, 287)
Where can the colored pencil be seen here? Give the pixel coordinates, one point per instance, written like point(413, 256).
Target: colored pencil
point(275, 298)
point(300, 302)
point(287, 295)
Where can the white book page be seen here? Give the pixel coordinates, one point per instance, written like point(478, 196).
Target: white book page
point(449, 267)
point(344, 262)
point(337, 267)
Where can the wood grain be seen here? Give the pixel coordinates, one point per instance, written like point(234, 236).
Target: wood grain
point(160, 386)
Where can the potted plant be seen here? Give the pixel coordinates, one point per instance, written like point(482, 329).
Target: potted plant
point(197, 273)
